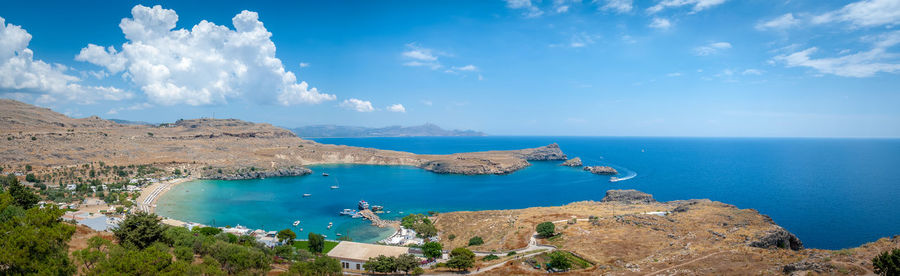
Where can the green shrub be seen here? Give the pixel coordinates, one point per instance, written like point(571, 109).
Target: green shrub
point(888, 263)
point(490, 257)
point(476, 240)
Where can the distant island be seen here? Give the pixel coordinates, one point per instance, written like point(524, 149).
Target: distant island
point(390, 131)
point(128, 122)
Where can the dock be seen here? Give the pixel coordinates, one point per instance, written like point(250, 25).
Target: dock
point(377, 221)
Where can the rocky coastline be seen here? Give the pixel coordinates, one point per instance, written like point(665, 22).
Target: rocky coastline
point(254, 174)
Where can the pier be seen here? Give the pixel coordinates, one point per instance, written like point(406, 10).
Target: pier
point(377, 221)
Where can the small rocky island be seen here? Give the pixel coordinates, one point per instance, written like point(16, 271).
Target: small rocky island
point(574, 162)
point(603, 170)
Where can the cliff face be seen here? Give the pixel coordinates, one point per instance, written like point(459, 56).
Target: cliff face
point(50, 141)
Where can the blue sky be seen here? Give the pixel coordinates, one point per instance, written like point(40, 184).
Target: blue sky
point(601, 68)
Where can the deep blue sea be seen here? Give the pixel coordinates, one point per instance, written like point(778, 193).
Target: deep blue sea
point(831, 193)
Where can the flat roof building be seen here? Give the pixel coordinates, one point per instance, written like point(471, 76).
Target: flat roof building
point(353, 255)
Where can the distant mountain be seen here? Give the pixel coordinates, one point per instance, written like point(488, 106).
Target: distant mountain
point(127, 122)
point(391, 131)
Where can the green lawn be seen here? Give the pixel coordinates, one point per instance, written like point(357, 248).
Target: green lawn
point(304, 245)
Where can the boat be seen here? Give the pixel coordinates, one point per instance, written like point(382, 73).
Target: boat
point(614, 179)
point(338, 234)
point(296, 222)
point(334, 187)
point(324, 174)
point(377, 207)
point(348, 212)
point(363, 205)
point(301, 229)
point(307, 195)
point(330, 224)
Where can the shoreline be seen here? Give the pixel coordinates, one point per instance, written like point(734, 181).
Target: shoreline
point(150, 195)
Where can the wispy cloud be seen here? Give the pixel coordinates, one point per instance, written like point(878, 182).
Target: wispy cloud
point(867, 13)
point(620, 6)
point(779, 23)
point(528, 9)
point(712, 48)
point(660, 23)
point(697, 5)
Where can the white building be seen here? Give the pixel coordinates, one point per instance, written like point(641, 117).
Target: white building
point(70, 187)
point(353, 255)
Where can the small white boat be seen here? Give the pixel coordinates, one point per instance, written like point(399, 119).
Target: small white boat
point(334, 187)
point(296, 222)
point(338, 234)
point(301, 229)
point(329, 225)
point(614, 179)
point(307, 195)
point(324, 174)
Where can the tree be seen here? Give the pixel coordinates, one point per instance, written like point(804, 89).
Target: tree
point(406, 263)
point(559, 260)
point(139, 230)
point(320, 266)
point(239, 259)
point(183, 253)
point(31, 178)
point(38, 244)
point(206, 230)
point(476, 240)
point(382, 264)
point(286, 235)
point(285, 251)
point(546, 229)
point(461, 258)
point(22, 196)
point(432, 250)
point(887, 263)
point(316, 243)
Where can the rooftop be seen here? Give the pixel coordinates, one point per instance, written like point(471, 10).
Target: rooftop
point(364, 251)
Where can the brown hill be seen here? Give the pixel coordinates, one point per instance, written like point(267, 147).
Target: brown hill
point(212, 148)
point(621, 236)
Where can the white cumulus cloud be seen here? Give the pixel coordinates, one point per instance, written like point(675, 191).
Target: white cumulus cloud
point(207, 64)
point(711, 48)
point(697, 5)
point(358, 105)
point(28, 78)
point(396, 108)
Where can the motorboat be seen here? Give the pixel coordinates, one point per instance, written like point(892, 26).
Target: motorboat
point(307, 195)
point(296, 222)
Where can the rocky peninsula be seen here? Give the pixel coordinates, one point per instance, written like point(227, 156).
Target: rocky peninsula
point(630, 233)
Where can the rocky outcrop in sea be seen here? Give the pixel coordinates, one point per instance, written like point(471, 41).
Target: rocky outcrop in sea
point(545, 153)
point(574, 162)
point(606, 170)
point(255, 174)
point(628, 197)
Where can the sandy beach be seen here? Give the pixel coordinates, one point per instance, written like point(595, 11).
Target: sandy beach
point(150, 195)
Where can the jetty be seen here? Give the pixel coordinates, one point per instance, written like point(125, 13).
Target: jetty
point(377, 221)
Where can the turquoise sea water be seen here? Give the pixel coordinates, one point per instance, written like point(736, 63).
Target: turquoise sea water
point(832, 193)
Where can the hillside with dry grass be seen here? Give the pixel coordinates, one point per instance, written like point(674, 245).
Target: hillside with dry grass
point(637, 237)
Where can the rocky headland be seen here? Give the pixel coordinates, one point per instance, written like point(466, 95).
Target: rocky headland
point(211, 148)
point(630, 233)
